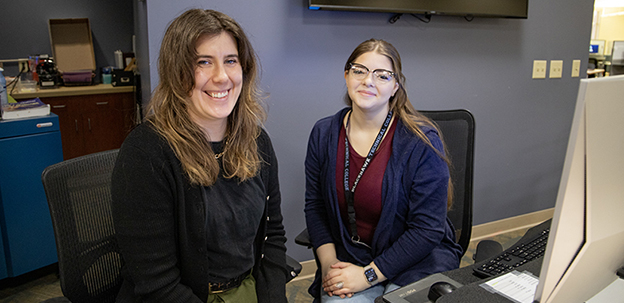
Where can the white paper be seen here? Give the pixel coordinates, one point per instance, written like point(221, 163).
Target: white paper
point(516, 286)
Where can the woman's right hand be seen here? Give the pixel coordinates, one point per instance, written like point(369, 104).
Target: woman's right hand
point(326, 255)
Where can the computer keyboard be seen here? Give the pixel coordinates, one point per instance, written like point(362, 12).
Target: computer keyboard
point(515, 256)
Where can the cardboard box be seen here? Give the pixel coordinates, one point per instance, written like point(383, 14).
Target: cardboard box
point(72, 45)
point(122, 78)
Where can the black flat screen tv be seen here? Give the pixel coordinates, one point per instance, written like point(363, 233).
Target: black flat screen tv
point(474, 8)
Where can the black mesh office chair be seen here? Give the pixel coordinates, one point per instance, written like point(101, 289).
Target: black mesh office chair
point(78, 192)
point(457, 127)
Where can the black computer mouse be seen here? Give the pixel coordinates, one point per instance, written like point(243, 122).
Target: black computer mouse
point(439, 289)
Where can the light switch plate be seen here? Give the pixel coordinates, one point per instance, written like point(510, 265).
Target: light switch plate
point(576, 68)
point(539, 69)
point(556, 68)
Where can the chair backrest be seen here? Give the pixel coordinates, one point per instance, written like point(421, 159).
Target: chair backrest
point(457, 127)
point(78, 192)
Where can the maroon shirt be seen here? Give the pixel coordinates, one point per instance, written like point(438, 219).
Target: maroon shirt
point(367, 197)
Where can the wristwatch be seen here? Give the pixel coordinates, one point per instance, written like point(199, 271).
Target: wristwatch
point(371, 275)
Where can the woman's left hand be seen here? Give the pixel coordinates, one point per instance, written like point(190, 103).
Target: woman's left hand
point(344, 279)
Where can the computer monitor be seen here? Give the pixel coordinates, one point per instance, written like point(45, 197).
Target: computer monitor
point(617, 53)
point(593, 48)
point(586, 242)
point(596, 47)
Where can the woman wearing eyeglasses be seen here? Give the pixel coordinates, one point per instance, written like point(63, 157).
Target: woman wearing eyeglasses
point(377, 187)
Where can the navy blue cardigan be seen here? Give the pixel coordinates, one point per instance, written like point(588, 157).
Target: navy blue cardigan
point(414, 237)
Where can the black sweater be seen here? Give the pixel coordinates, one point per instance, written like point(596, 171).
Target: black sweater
point(160, 224)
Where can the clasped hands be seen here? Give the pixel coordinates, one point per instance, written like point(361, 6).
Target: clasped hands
point(344, 279)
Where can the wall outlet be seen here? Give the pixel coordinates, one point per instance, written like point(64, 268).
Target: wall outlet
point(556, 68)
point(539, 69)
point(576, 68)
point(23, 64)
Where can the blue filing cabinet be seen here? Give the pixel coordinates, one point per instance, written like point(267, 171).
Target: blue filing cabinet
point(27, 146)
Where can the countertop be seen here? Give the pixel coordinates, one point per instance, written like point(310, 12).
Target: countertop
point(63, 91)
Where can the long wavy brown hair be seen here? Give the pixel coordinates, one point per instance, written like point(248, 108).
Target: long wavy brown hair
point(170, 103)
point(400, 103)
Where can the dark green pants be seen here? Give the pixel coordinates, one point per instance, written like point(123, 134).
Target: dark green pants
point(246, 293)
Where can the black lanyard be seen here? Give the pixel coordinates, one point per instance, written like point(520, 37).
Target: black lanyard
point(349, 193)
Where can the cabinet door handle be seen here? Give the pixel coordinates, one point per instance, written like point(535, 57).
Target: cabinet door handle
point(59, 106)
point(45, 124)
point(89, 119)
point(101, 103)
point(76, 121)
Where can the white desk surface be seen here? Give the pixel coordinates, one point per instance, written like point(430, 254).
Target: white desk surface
point(614, 293)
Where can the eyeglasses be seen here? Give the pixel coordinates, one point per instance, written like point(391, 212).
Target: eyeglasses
point(360, 72)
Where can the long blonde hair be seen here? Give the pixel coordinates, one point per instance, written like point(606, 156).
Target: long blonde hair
point(400, 103)
point(171, 100)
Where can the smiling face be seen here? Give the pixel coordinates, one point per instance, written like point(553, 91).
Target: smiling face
point(218, 83)
point(368, 94)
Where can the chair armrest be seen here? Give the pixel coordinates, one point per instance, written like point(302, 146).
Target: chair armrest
point(487, 249)
point(303, 239)
point(294, 268)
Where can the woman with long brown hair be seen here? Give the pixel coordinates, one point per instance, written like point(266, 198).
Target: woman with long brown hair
point(377, 186)
point(196, 199)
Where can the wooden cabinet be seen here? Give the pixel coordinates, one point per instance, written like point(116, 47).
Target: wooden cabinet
point(92, 118)
point(93, 123)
